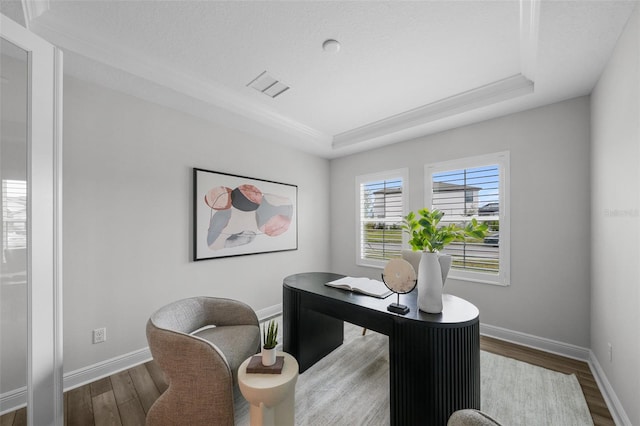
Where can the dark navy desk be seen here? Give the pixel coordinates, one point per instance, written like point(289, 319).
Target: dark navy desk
point(434, 359)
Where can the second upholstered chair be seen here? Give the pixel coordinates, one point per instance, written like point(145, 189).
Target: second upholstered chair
point(199, 343)
point(471, 418)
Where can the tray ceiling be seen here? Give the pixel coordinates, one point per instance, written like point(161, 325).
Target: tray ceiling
point(404, 69)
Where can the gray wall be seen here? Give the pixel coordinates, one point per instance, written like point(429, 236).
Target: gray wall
point(549, 151)
point(127, 217)
point(615, 304)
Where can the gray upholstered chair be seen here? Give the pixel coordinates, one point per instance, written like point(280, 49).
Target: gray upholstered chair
point(471, 418)
point(199, 343)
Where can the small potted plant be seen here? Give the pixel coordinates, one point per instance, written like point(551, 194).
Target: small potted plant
point(429, 238)
point(269, 343)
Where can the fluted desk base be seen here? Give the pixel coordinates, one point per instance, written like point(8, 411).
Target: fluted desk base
point(434, 359)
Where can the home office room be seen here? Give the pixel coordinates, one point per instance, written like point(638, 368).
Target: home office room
point(218, 163)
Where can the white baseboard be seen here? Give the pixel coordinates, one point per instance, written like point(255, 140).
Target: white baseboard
point(82, 376)
point(269, 312)
point(570, 351)
point(12, 400)
point(553, 346)
point(15, 399)
point(613, 403)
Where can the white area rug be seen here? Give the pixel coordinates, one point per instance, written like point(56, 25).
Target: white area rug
point(517, 393)
point(350, 386)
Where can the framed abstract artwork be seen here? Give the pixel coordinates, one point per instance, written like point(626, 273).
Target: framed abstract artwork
point(238, 215)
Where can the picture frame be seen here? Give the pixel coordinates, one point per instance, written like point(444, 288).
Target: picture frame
point(237, 215)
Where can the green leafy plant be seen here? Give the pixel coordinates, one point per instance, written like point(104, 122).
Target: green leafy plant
point(425, 235)
point(270, 335)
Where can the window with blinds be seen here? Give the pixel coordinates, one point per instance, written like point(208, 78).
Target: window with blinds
point(14, 214)
point(381, 209)
point(467, 189)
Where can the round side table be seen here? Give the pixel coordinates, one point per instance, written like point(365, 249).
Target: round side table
point(271, 396)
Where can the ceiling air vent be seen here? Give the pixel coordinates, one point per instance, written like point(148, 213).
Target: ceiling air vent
point(267, 84)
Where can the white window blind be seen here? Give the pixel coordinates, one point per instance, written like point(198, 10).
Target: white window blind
point(474, 188)
point(381, 209)
point(14, 214)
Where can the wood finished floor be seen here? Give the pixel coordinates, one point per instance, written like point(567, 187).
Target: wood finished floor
point(125, 397)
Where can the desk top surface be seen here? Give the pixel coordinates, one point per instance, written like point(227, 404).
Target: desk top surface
point(455, 310)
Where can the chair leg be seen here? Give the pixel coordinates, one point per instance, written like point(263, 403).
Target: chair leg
point(364, 330)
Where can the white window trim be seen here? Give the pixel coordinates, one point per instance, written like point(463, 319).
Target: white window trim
point(502, 159)
point(385, 175)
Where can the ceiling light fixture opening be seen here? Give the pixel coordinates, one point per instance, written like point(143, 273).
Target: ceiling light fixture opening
point(331, 46)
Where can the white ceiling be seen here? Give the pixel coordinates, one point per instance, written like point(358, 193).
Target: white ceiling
point(405, 69)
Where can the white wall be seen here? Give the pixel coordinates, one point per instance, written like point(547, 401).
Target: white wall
point(549, 146)
point(615, 300)
point(127, 217)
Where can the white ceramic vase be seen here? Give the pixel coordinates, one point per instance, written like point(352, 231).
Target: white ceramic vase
point(268, 356)
point(432, 274)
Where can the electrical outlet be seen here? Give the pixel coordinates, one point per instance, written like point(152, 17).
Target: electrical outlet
point(99, 335)
point(610, 352)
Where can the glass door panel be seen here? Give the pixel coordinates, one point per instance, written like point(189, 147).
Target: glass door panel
point(13, 180)
point(30, 219)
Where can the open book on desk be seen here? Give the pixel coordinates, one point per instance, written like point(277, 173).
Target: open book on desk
point(365, 286)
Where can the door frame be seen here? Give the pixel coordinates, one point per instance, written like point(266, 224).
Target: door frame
point(44, 225)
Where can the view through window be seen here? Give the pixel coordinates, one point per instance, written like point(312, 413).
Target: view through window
point(14, 214)
point(474, 191)
point(381, 209)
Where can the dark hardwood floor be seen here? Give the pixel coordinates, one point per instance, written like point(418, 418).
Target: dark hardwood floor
point(125, 397)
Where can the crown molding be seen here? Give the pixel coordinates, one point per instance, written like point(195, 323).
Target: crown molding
point(507, 88)
point(94, 48)
point(238, 107)
point(489, 94)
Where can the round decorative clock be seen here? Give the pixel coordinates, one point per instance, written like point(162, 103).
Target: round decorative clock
point(399, 277)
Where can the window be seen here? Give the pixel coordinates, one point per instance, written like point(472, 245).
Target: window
point(14, 214)
point(469, 196)
point(475, 187)
point(382, 204)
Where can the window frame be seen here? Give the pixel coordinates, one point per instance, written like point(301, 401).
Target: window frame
point(402, 174)
point(502, 160)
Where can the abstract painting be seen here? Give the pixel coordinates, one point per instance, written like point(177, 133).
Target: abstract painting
point(237, 215)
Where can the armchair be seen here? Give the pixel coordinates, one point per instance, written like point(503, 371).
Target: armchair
point(469, 417)
point(199, 343)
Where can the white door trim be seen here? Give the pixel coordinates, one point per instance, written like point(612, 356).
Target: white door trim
point(44, 262)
